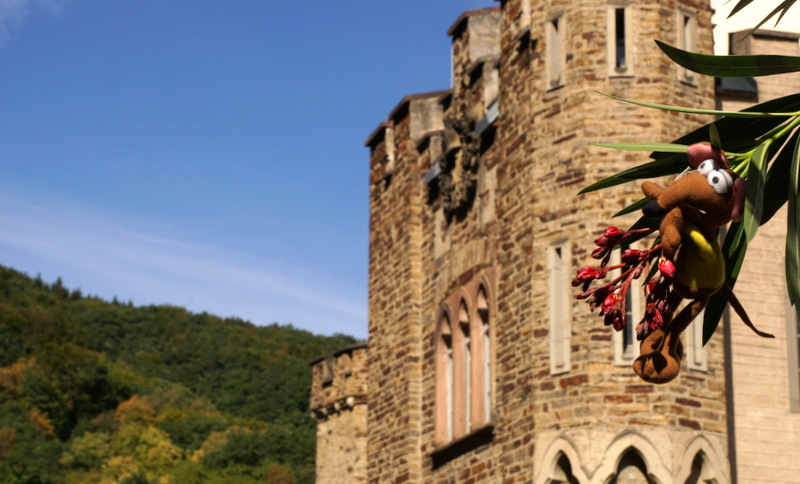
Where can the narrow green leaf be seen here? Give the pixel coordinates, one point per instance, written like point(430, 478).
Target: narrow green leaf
point(754, 201)
point(732, 65)
point(635, 206)
point(713, 313)
point(792, 231)
point(653, 169)
point(734, 257)
point(679, 109)
point(739, 6)
point(643, 223)
point(662, 147)
point(740, 135)
point(786, 5)
point(780, 8)
point(713, 136)
point(776, 187)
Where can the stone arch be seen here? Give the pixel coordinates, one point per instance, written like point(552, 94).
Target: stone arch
point(701, 463)
point(625, 443)
point(443, 368)
point(462, 375)
point(631, 469)
point(485, 348)
point(561, 464)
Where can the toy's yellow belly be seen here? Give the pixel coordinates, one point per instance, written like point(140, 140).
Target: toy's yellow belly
point(699, 263)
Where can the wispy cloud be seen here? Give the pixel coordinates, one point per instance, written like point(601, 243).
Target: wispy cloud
point(13, 13)
point(110, 258)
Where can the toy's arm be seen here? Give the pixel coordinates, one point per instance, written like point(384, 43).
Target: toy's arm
point(651, 190)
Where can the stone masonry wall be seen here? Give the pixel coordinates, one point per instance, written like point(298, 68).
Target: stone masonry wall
point(542, 208)
point(339, 404)
point(767, 428)
point(533, 160)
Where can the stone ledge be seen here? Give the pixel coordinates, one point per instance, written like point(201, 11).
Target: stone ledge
point(471, 441)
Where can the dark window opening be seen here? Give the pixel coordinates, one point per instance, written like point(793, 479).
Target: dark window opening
point(619, 36)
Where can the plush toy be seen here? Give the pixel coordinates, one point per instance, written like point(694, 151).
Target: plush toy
point(693, 207)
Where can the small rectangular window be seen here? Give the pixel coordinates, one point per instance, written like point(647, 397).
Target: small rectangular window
point(560, 308)
point(695, 351)
point(687, 36)
point(450, 391)
point(619, 41)
point(555, 51)
point(626, 347)
point(793, 348)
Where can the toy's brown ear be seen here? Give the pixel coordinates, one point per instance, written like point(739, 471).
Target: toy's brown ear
point(740, 188)
point(700, 152)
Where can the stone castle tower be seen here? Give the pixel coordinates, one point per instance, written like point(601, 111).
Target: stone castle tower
point(481, 365)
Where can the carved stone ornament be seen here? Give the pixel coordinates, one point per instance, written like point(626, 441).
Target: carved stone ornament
point(458, 180)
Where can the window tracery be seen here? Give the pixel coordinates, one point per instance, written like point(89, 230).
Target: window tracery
point(464, 362)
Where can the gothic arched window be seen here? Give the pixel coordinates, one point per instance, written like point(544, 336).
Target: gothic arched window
point(463, 362)
point(445, 394)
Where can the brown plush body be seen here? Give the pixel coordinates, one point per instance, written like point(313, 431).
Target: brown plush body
point(695, 211)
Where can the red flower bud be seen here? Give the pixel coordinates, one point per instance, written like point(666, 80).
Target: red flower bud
point(656, 320)
point(609, 303)
point(616, 319)
point(610, 238)
point(667, 268)
point(631, 256)
point(650, 287)
point(641, 331)
point(599, 252)
point(587, 274)
point(597, 295)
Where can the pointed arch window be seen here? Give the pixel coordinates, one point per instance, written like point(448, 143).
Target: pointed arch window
point(463, 362)
point(486, 358)
point(464, 424)
point(445, 393)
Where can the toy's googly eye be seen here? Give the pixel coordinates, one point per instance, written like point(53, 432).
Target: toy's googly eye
point(706, 167)
point(720, 181)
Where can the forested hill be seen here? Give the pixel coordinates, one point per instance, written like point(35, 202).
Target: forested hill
point(104, 392)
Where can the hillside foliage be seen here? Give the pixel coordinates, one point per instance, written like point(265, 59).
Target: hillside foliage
point(104, 392)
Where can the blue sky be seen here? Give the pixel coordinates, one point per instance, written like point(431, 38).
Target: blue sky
point(206, 154)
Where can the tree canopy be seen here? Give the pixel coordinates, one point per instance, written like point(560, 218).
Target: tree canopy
point(94, 391)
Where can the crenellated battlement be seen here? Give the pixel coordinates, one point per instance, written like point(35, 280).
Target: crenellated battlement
point(339, 381)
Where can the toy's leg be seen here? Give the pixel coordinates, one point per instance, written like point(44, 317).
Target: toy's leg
point(687, 314)
point(662, 351)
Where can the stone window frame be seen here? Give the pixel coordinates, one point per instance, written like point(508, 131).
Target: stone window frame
point(686, 21)
point(696, 358)
point(556, 53)
point(560, 454)
point(626, 70)
point(463, 404)
point(793, 355)
point(627, 351)
point(560, 306)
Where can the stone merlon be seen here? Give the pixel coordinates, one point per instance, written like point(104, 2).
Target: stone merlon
point(339, 380)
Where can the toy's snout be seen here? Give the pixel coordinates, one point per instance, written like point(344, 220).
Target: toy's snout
point(716, 195)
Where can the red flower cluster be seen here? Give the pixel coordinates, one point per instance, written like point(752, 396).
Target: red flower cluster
point(661, 300)
point(611, 296)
